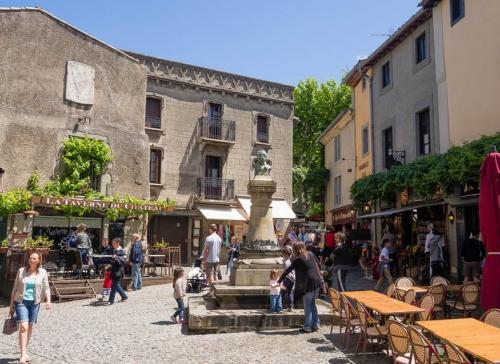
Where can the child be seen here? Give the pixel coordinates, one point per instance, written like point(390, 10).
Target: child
point(179, 285)
point(289, 281)
point(274, 292)
point(106, 285)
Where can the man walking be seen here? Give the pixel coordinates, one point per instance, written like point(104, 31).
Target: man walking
point(136, 258)
point(211, 253)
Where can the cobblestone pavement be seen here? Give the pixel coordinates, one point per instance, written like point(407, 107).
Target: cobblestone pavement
point(139, 331)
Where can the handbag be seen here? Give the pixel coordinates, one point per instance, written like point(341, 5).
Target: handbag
point(219, 274)
point(10, 325)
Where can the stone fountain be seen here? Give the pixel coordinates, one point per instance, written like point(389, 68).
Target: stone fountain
point(242, 304)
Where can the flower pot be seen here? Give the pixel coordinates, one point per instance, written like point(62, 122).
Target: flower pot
point(4, 250)
point(158, 251)
point(31, 213)
point(42, 250)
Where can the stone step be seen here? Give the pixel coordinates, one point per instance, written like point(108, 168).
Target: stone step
point(203, 320)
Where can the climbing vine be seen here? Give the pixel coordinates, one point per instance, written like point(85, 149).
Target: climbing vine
point(427, 177)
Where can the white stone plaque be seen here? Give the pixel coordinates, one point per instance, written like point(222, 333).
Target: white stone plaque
point(80, 83)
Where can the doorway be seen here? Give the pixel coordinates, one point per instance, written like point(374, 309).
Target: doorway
point(213, 174)
point(174, 230)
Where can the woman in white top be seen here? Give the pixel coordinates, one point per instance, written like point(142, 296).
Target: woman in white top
point(384, 264)
point(31, 287)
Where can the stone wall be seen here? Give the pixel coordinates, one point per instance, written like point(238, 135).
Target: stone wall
point(35, 117)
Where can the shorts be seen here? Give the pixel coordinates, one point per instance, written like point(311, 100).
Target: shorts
point(471, 269)
point(382, 267)
point(27, 311)
point(211, 268)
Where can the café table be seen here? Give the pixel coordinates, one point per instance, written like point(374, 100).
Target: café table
point(472, 336)
point(384, 305)
point(101, 256)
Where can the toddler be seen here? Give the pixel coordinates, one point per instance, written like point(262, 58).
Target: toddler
point(274, 292)
point(106, 285)
point(179, 293)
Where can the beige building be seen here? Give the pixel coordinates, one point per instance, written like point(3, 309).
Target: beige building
point(176, 131)
point(338, 139)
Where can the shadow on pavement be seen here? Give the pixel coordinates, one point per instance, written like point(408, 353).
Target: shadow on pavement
point(9, 360)
point(279, 333)
point(162, 323)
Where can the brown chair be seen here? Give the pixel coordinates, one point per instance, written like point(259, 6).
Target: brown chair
point(370, 329)
point(438, 291)
point(492, 317)
point(404, 282)
point(391, 291)
point(338, 315)
point(453, 354)
point(439, 280)
point(427, 303)
point(409, 297)
point(423, 351)
point(468, 300)
point(351, 319)
point(399, 342)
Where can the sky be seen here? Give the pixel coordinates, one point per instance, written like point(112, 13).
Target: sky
point(277, 40)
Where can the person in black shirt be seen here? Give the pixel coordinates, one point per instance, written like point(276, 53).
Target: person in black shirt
point(307, 283)
point(472, 254)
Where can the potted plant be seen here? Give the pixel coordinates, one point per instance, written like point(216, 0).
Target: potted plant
point(40, 244)
point(4, 246)
point(159, 247)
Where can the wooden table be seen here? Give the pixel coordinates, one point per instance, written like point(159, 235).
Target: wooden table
point(417, 289)
point(384, 305)
point(473, 336)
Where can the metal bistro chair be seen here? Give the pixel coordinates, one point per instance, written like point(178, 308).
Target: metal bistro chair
point(404, 282)
point(492, 317)
point(337, 312)
point(453, 354)
point(409, 297)
point(427, 303)
point(399, 342)
point(468, 300)
point(423, 351)
point(370, 329)
point(439, 280)
point(351, 319)
point(391, 291)
point(438, 291)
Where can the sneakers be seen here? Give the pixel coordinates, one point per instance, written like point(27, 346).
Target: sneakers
point(304, 331)
point(315, 329)
point(174, 319)
point(290, 309)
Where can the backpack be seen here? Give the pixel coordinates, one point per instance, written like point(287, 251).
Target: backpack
point(72, 241)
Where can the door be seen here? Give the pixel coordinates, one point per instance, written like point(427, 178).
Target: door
point(213, 174)
point(174, 231)
point(214, 120)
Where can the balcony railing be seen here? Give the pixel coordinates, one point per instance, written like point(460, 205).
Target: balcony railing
point(396, 158)
point(263, 138)
point(215, 128)
point(215, 189)
point(153, 122)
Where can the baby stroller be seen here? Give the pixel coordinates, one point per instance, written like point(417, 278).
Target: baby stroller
point(196, 278)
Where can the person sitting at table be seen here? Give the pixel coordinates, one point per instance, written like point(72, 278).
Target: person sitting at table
point(384, 264)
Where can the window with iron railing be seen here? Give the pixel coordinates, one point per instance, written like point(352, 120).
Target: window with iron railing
point(262, 129)
point(209, 188)
point(153, 113)
point(155, 165)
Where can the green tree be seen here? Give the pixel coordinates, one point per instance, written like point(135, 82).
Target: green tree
point(316, 106)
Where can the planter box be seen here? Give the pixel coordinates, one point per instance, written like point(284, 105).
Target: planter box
point(4, 250)
point(163, 251)
point(43, 251)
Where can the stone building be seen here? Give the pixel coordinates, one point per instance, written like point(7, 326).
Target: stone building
point(204, 129)
point(176, 131)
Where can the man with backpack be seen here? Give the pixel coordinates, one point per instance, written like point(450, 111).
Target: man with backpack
point(136, 259)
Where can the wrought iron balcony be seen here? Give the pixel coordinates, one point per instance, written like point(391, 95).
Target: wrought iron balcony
point(153, 122)
point(215, 189)
point(263, 138)
point(216, 129)
point(396, 158)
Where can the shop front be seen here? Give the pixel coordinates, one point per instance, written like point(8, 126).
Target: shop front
point(343, 219)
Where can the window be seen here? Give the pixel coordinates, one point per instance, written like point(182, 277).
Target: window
point(337, 199)
point(336, 148)
point(214, 110)
point(364, 137)
point(457, 10)
point(388, 146)
point(424, 132)
point(421, 48)
point(155, 165)
point(153, 113)
point(262, 129)
point(386, 74)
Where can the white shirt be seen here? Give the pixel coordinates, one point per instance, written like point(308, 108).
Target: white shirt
point(213, 244)
point(274, 291)
point(384, 255)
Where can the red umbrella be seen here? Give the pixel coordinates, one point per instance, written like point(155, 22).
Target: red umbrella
point(489, 217)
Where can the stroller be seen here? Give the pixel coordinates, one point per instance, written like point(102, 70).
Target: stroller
point(196, 278)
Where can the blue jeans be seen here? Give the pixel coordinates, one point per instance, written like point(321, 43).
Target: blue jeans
point(27, 311)
point(288, 292)
point(311, 319)
point(229, 265)
point(84, 253)
point(136, 276)
point(275, 302)
point(180, 308)
point(117, 287)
